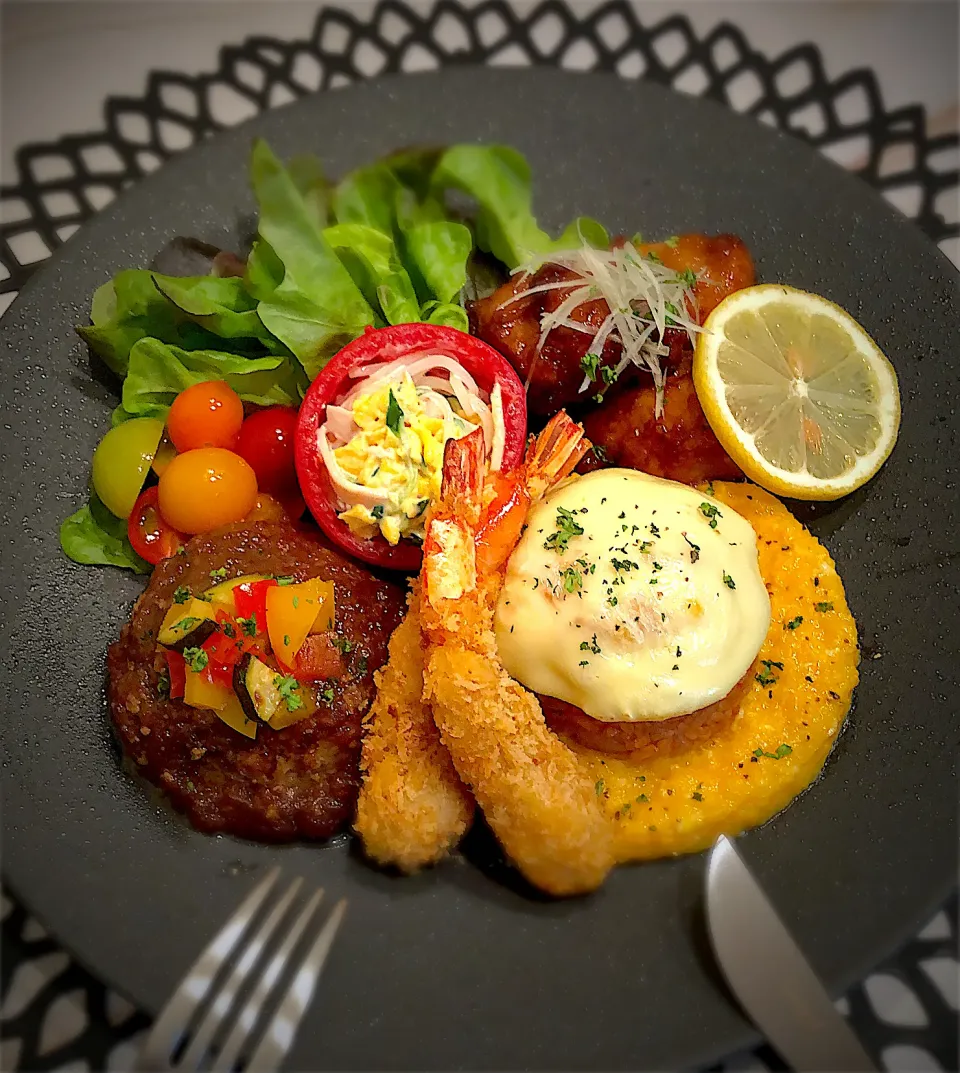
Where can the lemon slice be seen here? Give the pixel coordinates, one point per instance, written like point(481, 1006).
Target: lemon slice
point(798, 394)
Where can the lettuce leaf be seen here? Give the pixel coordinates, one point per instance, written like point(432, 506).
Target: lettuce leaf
point(498, 179)
point(94, 537)
point(316, 308)
point(371, 258)
point(221, 305)
point(158, 371)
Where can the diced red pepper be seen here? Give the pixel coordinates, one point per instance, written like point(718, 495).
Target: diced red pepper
point(221, 673)
point(250, 600)
point(223, 649)
point(318, 658)
point(177, 673)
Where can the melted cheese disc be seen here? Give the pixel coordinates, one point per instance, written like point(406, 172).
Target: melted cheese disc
point(633, 598)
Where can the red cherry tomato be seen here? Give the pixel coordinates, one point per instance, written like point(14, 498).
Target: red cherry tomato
point(152, 537)
point(410, 341)
point(266, 441)
point(206, 488)
point(205, 415)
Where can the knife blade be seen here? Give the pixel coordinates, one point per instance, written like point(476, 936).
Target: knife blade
point(769, 975)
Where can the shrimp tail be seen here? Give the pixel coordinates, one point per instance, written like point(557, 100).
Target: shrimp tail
point(412, 808)
point(554, 454)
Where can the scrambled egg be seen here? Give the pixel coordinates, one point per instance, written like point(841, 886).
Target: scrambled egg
point(397, 452)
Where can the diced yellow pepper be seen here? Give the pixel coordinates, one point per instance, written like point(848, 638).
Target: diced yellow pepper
point(292, 611)
point(235, 717)
point(182, 618)
point(326, 612)
point(200, 692)
point(283, 717)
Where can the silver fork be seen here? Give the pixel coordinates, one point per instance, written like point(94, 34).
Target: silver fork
point(239, 1006)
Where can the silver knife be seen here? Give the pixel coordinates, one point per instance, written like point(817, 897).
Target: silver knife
point(770, 976)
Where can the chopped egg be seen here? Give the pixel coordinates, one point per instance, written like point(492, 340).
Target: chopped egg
point(396, 455)
point(633, 598)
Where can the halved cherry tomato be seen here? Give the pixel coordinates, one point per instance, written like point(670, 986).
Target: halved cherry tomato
point(250, 600)
point(318, 659)
point(176, 672)
point(122, 461)
point(206, 488)
point(407, 341)
point(266, 441)
point(152, 537)
point(205, 415)
point(166, 453)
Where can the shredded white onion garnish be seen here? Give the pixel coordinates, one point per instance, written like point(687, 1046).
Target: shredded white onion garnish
point(644, 296)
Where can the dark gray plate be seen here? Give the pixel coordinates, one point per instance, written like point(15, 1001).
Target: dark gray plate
point(458, 968)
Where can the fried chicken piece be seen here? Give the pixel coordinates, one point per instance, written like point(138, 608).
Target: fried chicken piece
point(413, 808)
point(511, 323)
point(679, 445)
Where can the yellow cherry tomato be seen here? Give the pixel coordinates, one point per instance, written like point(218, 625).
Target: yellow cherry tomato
point(122, 461)
point(206, 488)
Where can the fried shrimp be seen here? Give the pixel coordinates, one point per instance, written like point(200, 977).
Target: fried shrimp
point(534, 791)
point(413, 808)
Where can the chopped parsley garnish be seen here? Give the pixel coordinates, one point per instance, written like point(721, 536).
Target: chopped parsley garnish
point(590, 646)
point(598, 787)
point(572, 580)
point(598, 397)
point(377, 511)
point(645, 546)
point(422, 506)
point(285, 579)
point(821, 607)
point(694, 549)
point(229, 630)
point(219, 574)
point(286, 639)
point(600, 453)
point(781, 752)
point(326, 694)
point(296, 602)
point(249, 625)
point(710, 488)
point(612, 601)
point(654, 531)
point(196, 659)
point(343, 645)
point(651, 256)
point(163, 684)
point(708, 510)
point(642, 799)
point(623, 564)
point(289, 688)
point(589, 363)
point(608, 374)
point(185, 625)
point(394, 414)
point(688, 277)
point(362, 665)
point(766, 677)
point(697, 796)
point(567, 527)
point(793, 623)
point(181, 594)
point(728, 581)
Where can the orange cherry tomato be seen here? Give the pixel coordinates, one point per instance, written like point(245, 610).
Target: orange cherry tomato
point(205, 415)
point(206, 488)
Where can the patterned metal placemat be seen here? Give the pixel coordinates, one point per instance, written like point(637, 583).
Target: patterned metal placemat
point(53, 1014)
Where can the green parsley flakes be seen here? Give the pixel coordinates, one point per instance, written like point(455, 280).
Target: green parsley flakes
point(766, 677)
point(708, 510)
point(219, 574)
point(196, 659)
point(394, 414)
point(249, 625)
point(567, 528)
point(793, 623)
point(572, 580)
point(181, 594)
point(590, 646)
point(779, 754)
point(728, 581)
point(823, 606)
point(289, 688)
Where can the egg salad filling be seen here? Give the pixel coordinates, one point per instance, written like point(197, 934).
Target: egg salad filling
point(383, 444)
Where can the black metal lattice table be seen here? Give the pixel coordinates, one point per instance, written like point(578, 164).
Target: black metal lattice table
point(53, 1014)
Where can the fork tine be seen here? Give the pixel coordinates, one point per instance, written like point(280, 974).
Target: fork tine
point(296, 998)
point(243, 1028)
point(226, 996)
point(176, 1014)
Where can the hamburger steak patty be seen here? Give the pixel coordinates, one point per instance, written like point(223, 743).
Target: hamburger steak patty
point(299, 782)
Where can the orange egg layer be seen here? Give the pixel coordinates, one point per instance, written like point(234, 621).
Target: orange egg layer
point(664, 806)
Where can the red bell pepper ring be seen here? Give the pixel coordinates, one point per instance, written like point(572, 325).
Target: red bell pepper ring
point(176, 672)
point(250, 600)
point(379, 346)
